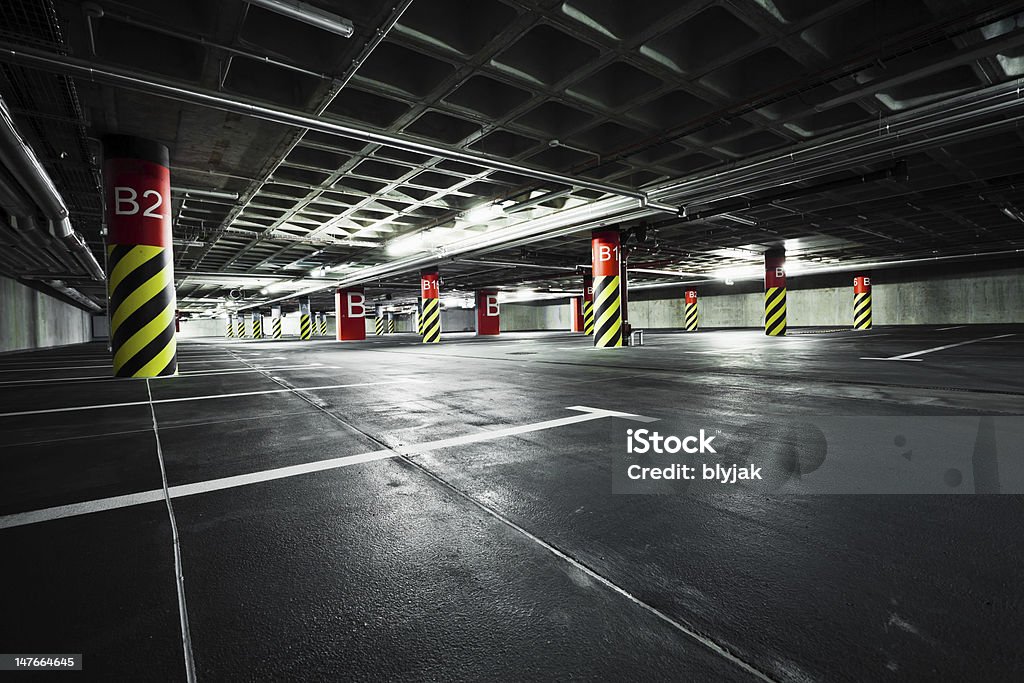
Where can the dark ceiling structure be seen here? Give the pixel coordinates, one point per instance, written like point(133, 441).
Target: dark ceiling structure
point(489, 136)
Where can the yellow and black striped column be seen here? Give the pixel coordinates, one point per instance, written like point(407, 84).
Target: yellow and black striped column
point(588, 304)
point(605, 246)
point(775, 293)
point(239, 326)
point(230, 331)
point(275, 322)
point(378, 325)
point(391, 323)
point(257, 325)
point(323, 324)
point(690, 318)
point(419, 316)
point(861, 303)
point(305, 324)
point(140, 270)
point(431, 316)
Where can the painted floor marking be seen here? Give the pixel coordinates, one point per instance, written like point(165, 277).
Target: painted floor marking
point(957, 327)
point(190, 373)
point(910, 356)
point(184, 399)
point(116, 502)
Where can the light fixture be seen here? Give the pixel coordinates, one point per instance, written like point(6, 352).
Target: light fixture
point(308, 14)
point(484, 212)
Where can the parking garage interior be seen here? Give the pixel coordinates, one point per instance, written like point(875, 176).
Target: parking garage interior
point(335, 338)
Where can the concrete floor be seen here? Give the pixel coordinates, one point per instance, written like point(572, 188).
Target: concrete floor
point(387, 510)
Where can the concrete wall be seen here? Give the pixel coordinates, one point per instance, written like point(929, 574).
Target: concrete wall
point(546, 315)
point(33, 320)
point(896, 300)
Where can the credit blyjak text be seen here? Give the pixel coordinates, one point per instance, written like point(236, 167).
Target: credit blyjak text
point(647, 442)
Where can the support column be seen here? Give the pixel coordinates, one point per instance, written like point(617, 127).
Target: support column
point(607, 296)
point(323, 325)
point(257, 324)
point(140, 265)
point(230, 331)
point(430, 289)
point(588, 304)
point(419, 315)
point(305, 324)
point(576, 314)
point(690, 321)
point(488, 320)
point(275, 322)
point(861, 303)
point(239, 326)
point(350, 309)
point(316, 325)
point(391, 322)
point(775, 292)
point(378, 321)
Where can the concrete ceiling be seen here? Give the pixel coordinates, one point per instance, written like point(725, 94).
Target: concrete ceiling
point(639, 95)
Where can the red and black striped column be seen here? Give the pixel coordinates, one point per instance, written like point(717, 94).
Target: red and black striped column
point(430, 290)
point(350, 308)
point(140, 266)
point(606, 258)
point(488, 320)
point(775, 292)
point(861, 303)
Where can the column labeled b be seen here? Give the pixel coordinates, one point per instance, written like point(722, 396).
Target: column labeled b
point(861, 303)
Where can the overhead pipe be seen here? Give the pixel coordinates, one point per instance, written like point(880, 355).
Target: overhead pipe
point(22, 162)
point(153, 85)
point(898, 171)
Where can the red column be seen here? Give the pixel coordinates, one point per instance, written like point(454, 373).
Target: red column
point(488, 321)
point(576, 314)
point(350, 308)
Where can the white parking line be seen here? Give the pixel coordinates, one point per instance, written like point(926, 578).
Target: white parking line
point(957, 327)
point(190, 373)
point(132, 499)
point(184, 399)
point(910, 356)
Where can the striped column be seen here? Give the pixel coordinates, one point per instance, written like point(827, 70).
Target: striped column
point(323, 324)
point(140, 267)
point(391, 323)
point(607, 296)
point(431, 290)
point(378, 325)
point(305, 323)
point(419, 316)
point(690, 320)
point(257, 325)
point(861, 303)
point(239, 326)
point(775, 293)
point(588, 304)
point(275, 322)
point(230, 331)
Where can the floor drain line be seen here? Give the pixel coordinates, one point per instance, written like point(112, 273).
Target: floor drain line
point(554, 550)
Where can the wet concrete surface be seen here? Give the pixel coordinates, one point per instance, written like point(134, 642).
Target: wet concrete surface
point(501, 556)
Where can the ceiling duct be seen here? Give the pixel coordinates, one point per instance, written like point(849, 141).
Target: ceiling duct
point(22, 163)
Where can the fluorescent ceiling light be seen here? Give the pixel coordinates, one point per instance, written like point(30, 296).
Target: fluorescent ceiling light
point(484, 212)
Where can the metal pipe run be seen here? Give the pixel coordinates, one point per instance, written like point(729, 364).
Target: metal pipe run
point(78, 68)
point(23, 164)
